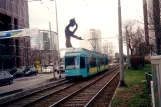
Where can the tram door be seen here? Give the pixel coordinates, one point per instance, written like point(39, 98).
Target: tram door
point(83, 68)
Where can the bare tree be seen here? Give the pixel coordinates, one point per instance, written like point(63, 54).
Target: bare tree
point(152, 10)
point(33, 56)
point(37, 55)
point(135, 40)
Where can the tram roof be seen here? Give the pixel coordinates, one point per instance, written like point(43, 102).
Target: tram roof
point(73, 50)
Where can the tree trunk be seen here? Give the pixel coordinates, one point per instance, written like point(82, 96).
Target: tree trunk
point(157, 27)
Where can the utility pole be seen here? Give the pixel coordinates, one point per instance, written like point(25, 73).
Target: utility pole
point(120, 46)
point(127, 45)
point(2, 65)
point(107, 47)
point(146, 22)
point(40, 58)
point(52, 50)
point(57, 37)
point(93, 39)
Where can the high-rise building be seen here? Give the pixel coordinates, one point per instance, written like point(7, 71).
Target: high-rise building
point(14, 15)
point(108, 48)
point(41, 46)
point(94, 42)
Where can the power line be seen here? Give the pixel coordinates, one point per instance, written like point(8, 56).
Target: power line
point(106, 38)
point(86, 2)
point(46, 6)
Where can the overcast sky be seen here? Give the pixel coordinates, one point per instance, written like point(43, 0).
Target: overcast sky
point(95, 14)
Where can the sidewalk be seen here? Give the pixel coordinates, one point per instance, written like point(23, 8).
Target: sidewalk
point(135, 94)
point(26, 83)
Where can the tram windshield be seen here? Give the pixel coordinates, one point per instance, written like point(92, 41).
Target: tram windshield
point(71, 62)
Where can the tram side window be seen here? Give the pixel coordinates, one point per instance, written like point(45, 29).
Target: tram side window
point(102, 61)
point(82, 62)
point(105, 61)
point(98, 61)
point(92, 62)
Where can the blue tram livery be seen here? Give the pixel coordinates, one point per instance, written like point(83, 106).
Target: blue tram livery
point(81, 62)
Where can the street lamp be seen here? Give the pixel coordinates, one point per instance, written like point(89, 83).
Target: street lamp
point(120, 46)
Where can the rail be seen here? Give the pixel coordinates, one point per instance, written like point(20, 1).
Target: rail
point(21, 99)
point(60, 102)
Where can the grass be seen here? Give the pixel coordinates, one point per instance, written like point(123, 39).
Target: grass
point(135, 94)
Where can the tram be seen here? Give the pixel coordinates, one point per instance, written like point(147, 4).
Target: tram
point(80, 62)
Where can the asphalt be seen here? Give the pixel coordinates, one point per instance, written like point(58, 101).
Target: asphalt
point(26, 83)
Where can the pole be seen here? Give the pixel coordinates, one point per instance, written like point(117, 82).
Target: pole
point(2, 65)
point(52, 50)
point(57, 37)
point(157, 27)
point(95, 45)
point(107, 48)
point(40, 60)
point(145, 13)
point(120, 46)
point(127, 45)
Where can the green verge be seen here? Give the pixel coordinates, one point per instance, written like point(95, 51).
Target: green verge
point(135, 94)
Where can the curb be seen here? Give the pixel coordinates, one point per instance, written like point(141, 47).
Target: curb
point(113, 95)
point(10, 92)
point(116, 90)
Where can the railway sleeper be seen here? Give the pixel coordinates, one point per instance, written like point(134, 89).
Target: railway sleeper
point(70, 105)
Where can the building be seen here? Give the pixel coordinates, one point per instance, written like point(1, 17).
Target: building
point(108, 48)
point(94, 42)
point(14, 15)
point(41, 47)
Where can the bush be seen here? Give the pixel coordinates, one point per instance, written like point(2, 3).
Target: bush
point(147, 60)
point(137, 62)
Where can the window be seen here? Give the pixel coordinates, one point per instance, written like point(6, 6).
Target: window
point(9, 6)
point(102, 61)
point(82, 62)
point(91, 61)
point(3, 4)
point(70, 62)
point(21, 11)
point(18, 9)
point(106, 61)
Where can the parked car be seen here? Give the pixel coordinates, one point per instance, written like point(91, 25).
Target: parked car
point(5, 77)
point(48, 69)
point(115, 60)
point(12, 71)
point(30, 71)
point(16, 72)
point(61, 68)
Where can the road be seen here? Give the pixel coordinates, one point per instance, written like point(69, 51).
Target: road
point(27, 82)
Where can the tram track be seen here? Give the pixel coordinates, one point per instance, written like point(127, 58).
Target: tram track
point(82, 96)
point(104, 96)
point(33, 95)
point(46, 96)
point(62, 94)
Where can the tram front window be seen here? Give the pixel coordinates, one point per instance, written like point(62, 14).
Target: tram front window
point(71, 62)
